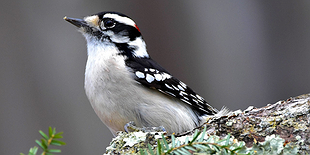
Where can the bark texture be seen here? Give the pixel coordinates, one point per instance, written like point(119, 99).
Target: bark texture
point(289, 120)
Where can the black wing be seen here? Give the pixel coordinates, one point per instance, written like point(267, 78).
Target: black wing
point(150, 74)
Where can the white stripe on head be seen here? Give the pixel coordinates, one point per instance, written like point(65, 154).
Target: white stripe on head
point(120, 19)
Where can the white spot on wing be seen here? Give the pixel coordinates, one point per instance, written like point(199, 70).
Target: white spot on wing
point(192, 95)
point(170, 93)
point(182, 93)
point(183, 84)
point(158, 77)
point(149, 78)
point(152, 70)
point(199, 105)
point(199, 97)
point(140, 75)
point(195, 101)
point(203, 109)
point(175, 88)
point(181, 88)
point(166, 76)
point(186, 101)
point(168, 86)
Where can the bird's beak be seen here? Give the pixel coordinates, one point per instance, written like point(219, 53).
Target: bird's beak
point(77, 22)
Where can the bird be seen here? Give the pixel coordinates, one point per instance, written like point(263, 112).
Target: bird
point(124, 84)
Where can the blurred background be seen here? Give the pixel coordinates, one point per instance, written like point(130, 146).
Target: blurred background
point(233, 53)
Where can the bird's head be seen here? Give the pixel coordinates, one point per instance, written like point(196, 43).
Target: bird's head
point(112, 28)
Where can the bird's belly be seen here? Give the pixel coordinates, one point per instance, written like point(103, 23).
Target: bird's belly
point(118, 99)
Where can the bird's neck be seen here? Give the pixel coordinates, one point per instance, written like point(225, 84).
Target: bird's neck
point(135, 48)
point(139, 47)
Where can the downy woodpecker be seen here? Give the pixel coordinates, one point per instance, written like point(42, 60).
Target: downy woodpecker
point(124, 84)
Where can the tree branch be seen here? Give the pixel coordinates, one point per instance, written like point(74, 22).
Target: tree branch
point(286, 121)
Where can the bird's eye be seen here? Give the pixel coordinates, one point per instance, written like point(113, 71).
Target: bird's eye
point(109, 23)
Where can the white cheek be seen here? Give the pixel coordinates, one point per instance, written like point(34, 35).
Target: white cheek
point(118, 38)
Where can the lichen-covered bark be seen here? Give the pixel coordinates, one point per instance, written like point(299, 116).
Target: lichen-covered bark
point(289, 119)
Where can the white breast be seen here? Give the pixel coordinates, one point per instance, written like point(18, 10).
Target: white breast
point(117, 98)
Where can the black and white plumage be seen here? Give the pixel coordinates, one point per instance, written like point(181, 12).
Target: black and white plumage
point(124, 84)
point(151, 75)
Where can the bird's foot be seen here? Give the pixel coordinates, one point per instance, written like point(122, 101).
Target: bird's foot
point(131, 127)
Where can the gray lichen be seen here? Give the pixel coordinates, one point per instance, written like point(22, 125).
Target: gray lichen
point(280, 128)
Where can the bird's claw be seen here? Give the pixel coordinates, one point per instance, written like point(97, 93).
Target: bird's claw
point(131, 127)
